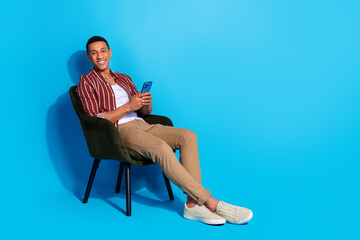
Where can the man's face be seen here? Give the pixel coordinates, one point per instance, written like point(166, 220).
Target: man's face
point(99, 55)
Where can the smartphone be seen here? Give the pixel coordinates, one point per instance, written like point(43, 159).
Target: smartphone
point(146, 87)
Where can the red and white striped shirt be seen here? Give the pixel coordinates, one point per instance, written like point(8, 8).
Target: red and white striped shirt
point(97, 95)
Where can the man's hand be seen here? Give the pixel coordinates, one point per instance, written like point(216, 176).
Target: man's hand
point(146, 102)
point(146, 99)
point(136, 101)
point(140, 101)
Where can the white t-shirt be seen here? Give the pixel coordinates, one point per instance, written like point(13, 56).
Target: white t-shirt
point(121, 98)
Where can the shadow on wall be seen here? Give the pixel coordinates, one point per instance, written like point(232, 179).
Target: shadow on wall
point(69, 153)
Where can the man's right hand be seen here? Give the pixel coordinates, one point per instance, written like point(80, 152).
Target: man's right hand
point(136, 101)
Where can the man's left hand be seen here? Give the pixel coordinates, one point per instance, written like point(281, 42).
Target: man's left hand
point(146, 99)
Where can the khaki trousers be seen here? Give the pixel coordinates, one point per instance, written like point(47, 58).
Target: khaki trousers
point(157, 142)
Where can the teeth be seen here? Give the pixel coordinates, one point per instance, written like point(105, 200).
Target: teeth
point(102, 61)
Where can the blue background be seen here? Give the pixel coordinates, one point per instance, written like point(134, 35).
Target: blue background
point(270, 87)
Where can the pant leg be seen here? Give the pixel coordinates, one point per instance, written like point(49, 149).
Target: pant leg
point(136, 138)
point(186, 141)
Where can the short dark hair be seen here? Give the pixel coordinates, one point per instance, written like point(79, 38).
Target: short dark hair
point(95, 39)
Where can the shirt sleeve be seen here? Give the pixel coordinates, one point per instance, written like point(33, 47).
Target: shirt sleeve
point(88, 98)
point(134, 91)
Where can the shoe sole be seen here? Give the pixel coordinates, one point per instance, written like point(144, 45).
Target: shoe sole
point(206, 221)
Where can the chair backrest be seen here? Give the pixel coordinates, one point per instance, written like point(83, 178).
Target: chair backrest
point(102, 137)
point(79, 109)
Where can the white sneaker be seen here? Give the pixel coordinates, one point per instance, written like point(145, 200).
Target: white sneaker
point(234, 214)
point(203, 214)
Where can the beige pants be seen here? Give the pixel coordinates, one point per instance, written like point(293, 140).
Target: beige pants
point(157, 142)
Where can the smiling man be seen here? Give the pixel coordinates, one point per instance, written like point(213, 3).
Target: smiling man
point(113, 96)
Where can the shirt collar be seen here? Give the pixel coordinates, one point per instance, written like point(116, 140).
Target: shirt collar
point(102, 78)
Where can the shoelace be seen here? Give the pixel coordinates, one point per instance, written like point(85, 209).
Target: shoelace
point(230, 210)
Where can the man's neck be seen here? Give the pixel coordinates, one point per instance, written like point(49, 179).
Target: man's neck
point(106, 73)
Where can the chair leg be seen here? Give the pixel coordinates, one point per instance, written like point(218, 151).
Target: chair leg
point(128, 189)
point(168, 186)
point(118, 184)
point(91, 179)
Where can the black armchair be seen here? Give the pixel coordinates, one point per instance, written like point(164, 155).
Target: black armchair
point(104, 142)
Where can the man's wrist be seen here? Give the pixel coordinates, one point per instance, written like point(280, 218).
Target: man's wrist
point(146, 110)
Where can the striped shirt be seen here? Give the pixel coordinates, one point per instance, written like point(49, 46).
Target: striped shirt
point(97, 95)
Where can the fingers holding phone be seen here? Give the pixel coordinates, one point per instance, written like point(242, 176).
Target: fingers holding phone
point(146, 99)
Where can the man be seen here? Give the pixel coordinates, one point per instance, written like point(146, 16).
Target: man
point(113, 96)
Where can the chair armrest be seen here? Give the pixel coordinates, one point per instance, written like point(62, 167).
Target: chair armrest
point(154, 119)
point(103, 139)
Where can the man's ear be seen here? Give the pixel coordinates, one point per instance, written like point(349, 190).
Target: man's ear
point(88, 57)
point(110, 53)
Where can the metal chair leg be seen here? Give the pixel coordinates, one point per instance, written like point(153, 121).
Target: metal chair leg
point(118, 184)
point(168, 186)
point(128, 189)
point(91, 179)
